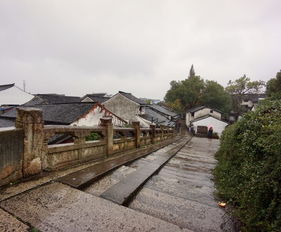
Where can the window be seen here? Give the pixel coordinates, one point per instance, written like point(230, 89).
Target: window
point(211, 111)
point(192, 114)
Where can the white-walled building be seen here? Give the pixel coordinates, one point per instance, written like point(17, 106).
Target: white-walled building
point(201, 111)
point(210, 121)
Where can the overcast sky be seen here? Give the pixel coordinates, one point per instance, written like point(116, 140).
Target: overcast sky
point(139, 46)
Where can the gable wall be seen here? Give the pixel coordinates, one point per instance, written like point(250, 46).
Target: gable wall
point(87, 99)
point(201, 113)
point(94, 116)
point(218, 126)
point(123, 107)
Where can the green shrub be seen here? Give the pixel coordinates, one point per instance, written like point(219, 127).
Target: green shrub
point(248, 174)
point(93, 136)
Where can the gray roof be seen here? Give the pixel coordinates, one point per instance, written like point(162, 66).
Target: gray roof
point(155, 117)
point(40, 99)
point(206, 116)
point(163, 110)
point(97, 97)
point(58, 113)
point(192, 110)
point(3, 87)
point(133, 98)
point(5, 122)
point(253, 97)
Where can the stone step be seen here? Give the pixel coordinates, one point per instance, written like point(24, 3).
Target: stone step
point(124, 190)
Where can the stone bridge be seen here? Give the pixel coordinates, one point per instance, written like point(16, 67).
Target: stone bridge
point(132, 179)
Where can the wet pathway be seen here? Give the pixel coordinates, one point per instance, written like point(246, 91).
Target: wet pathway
point(182, 192)
point(178, 198)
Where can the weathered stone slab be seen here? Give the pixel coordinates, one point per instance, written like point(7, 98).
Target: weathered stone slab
point(86, 176)
point(58, 207)
point(122, 191)
point(10, 223)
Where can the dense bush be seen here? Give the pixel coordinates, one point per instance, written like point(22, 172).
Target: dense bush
point(248, 174)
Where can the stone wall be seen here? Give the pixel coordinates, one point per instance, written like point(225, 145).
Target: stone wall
point(26, 151)
point(123, 107)
point(11, 153)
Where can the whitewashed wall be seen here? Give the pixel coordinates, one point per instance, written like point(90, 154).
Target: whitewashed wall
point(94, 116)
point(123, 107)
point(201, 113)
point(218, 125)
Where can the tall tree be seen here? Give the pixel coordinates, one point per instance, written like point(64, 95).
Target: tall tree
point(186, 93)
point(194, 91)
point(215, 96)
point(273, 87)
point(242, 86)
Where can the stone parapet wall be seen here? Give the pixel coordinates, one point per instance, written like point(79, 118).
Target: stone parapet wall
point(11, 152)
point(26, 151)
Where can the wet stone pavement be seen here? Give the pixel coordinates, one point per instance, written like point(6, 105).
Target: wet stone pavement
point(182, 192)
point(178, 198)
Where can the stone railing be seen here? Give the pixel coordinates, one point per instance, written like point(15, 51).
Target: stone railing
point(38, 155)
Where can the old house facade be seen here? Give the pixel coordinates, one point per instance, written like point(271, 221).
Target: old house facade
point(201, 111)
point(125, 105)
point(73, 114)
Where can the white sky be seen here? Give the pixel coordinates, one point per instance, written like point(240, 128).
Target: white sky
point(138, 46)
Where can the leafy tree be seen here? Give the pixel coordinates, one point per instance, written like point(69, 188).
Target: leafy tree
point(244, 85)
point(273, 87)
point(240, 87)
point(186, 93)
point(194, 91)
point(216, 97)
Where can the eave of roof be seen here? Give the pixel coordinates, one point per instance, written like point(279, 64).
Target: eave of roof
point(206, 116)
point(7, 86)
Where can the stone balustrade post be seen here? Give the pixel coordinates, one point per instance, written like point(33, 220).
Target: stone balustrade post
point(136, 125)
point(107, 123)
point(152, 127)
point(30, 120)
point(162, 132)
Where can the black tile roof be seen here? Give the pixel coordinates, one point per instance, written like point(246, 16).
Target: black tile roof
point(192, 110)
point(163, 110)
point(253, 97)
point(97, 97)
point(133, 98)
point(5, 122)
point(155, 117)
point(40, 99)
point(206, 116)
point(58, 113)
point(3, 87)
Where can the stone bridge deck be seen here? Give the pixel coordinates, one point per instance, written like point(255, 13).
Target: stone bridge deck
point(178, 198)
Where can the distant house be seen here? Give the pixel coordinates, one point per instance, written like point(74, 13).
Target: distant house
point(209, 121)
point(131, 108)
point(248, 102)
point(95, 97)
point(158, 115)
point(125, 105)
point(73, 114)
point(201, 111)
point(11, 95)
point(45, 99)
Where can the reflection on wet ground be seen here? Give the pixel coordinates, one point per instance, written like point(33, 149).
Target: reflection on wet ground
point(182, 192)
